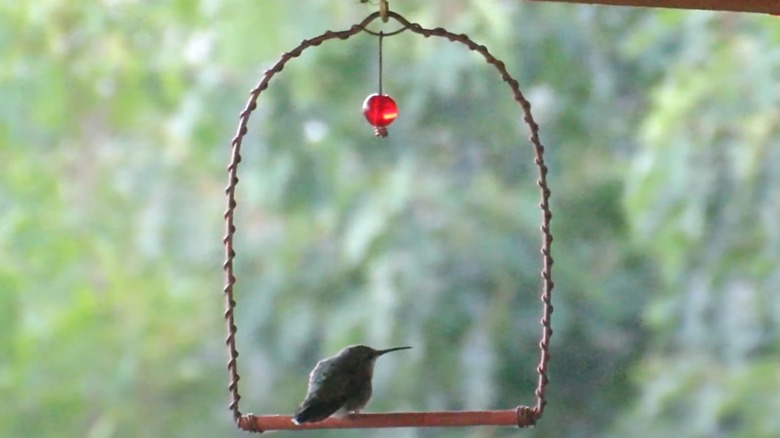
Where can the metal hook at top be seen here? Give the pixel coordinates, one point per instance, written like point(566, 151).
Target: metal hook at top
point(384, 7)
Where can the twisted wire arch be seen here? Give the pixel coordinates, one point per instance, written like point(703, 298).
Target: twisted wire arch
point(522, 416)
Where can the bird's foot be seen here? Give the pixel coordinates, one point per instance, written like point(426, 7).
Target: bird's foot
point(352, 415)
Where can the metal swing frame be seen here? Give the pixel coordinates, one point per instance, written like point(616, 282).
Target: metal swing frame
point(521, 416)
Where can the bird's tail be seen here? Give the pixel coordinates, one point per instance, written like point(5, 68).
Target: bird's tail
point(313, 412)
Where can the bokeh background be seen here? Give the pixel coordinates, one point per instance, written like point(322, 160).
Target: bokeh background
point(662, 131)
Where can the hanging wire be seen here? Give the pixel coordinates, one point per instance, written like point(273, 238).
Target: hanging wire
point(521, 416)
point(384, 8)
point(381, 38)
point(380, 131)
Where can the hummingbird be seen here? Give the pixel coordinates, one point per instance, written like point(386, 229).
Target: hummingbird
point(340, 384)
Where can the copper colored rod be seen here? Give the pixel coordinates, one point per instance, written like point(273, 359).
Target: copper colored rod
point(765, 6)
point(507, 417)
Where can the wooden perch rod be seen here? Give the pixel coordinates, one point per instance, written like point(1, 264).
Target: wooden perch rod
point(765, 6)
point(507, 417)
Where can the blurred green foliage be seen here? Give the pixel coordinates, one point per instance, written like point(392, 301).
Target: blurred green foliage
point(663, 141)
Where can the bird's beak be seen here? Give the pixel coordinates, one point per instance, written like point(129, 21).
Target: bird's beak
point(381, 352)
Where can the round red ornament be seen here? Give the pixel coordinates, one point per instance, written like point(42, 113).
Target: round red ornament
point(380, 110)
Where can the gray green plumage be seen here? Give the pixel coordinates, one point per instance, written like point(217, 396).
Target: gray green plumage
point(340, 384)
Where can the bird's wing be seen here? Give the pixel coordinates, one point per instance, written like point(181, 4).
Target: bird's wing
point(318, 373)
point(327, 394)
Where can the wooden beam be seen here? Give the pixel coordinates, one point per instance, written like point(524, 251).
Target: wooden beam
point(765, 6)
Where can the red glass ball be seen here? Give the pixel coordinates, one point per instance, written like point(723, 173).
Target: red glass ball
point(380, 110)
